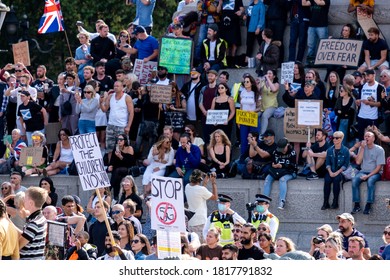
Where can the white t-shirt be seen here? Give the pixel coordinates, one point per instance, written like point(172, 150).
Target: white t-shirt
point(197, 197)
point(212, 50)
point(248, 102)
point(191, 106)
point(366, 111)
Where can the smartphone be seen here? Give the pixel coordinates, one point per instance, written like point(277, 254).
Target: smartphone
point(117, 147)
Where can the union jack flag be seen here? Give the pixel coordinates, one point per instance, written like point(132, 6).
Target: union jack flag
point(52, 20)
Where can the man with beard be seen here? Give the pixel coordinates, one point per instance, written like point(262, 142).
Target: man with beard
point(114, 252)
point(315, 155)
point(346, 222)
point(106, 82)
point(146, 46)
point(375, 52)
point(237, 234)
point(249, 250)
point(162, 74)
point(43, 85)
point(229, 252)
point(356, 248)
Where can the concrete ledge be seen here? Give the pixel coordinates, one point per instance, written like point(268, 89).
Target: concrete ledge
point(299, 219)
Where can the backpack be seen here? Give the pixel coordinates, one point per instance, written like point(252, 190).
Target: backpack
point(66, 107)
point(386, 170)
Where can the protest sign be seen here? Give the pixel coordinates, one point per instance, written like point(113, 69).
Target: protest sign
point(161, 94)
point(144, 70)
point(168, 244)
point(167, 211)
point(366, 21)
point(89, 161)
point(31, 156)
point(176, 55)
point(51, 131)
point(309, 113)
point(291, 131)
point(55, 240)
point(287, 72)
point(246, 118)
point(21, 53)
point(217, 116)
point(343, 52)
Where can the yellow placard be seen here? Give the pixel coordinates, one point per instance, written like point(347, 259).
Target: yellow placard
point(29, 160)
point(246, 118)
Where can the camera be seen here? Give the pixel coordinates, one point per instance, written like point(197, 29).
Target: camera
point(250, 206)
point(318, 240)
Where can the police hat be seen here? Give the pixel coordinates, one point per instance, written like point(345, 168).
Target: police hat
point(263, 198)
point(224, 198)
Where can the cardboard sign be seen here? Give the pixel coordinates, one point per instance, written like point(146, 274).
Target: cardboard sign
point(89, 161)
point(168, 244)
point(309, 113)
point(51, 131)
point(366, 21)
point(144, 70)
point(291, 131)
point(246, 118)
point(56, 240)
point(217, 116)
point(21, 53)
point(167, 211)
point(31, 156)
point(287, 72)
point(339, 52)
point(161, 94)
point(176, 55)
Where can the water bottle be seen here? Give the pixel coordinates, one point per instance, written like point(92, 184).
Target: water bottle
point(183, 168)
point(67, 169)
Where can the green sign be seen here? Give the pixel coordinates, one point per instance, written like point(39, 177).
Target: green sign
point(176, 55)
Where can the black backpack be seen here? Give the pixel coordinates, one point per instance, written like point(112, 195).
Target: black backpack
point(66, 107)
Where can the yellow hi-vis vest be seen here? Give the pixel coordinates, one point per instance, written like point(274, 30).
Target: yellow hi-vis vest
point(226, 226)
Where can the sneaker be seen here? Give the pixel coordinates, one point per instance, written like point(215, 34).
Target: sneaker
point(312, 176)
point(305, 171)
point(281, 205)
point(356, 208)
point(367, 209)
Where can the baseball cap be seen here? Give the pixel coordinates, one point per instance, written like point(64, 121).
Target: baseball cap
point(282, 143)
point(346, 216)
point(214, 27)
point(139, 29)
point(356, 74)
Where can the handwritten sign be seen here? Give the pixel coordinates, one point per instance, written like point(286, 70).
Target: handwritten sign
point(21, 53)
point(176, 54)
point(55, 246)
point(168, 244)
point(31, 156)
point(217, 116)
point(167, 204)
point(287, 72)
point(309, 113)
point(246, 118)
point(52, 130)
point(161, 94)
point(291, 131)
point(144, 70)
point(339, 52)
point(366, 21)
point(89, 161)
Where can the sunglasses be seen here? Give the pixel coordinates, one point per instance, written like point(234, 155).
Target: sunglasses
point(120, 139)
point(124, 36)
point(115, 212)
point(336, 138)
point(386, 232)
point(236, 230)
point(89, 92)
point(221, 87)
point(262, 228)
point(18, 70)
point(247, 82)
point(6, 188)
point(135, 241)
point(35, 137)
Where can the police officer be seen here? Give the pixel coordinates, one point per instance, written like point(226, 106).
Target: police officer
point(261, 214)
point(223, 218)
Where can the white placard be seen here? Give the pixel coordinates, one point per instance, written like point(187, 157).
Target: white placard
point(89, 161)
point(287, 72)
point(144, 70)
point(167, 211)
point(309, 113)
point(168, 244)
point(217, 116)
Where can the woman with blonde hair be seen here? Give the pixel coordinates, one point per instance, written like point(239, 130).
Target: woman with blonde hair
point(18, 214)
point(87, 108)
point(160, 156)
point(284, 245)
point(129, 190)
point(219, 151)
point(38, 141)
point(83, 54)
point(333, 247)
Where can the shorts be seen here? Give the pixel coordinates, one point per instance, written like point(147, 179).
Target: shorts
point(112, 132)
point(373, 61)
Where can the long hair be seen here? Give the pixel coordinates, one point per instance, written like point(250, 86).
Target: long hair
point(159, 145)
point(51, 183)
point(134, 188)
point(226, 87)
point(225, 139)
point(144, 240)
point(129, 229)
point(253, 86)
point(123, 31)
point(177, 94)
point(329, 85)
point(267, 236)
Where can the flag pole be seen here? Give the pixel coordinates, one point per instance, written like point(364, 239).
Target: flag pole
point(67, 42)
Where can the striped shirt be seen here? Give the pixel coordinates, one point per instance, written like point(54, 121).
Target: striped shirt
point(35, 232)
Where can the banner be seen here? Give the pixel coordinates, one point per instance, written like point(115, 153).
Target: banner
point(176, 55)
point(31, 156)
point(246, 118)
point(291, 131)
point(161, 94)
point(21, 53)
point(309, 113)
point(144, 70)
point(342, 52)
point(167, 211)
point(217, 116)
point(287, 72)
point(89, 161)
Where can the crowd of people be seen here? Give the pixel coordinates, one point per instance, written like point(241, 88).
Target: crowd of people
point(97, 92)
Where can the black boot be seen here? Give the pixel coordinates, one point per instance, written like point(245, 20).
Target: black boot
point(335, 205)
point(325, 206)
point(356, 208)
point(367, 209)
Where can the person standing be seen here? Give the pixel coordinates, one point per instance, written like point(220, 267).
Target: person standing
point(9, 237)
point(102, 48)
point(262, 214)
point(268, 54)
point(143, 13)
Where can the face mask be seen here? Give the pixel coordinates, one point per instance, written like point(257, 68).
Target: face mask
point(221, 207)
point(260, 208)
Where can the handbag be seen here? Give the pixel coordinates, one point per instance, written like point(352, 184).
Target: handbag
point(278, 173)
point(352, 133)
point(350, 173)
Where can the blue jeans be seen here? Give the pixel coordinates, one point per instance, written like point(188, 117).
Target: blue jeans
point(244, 131)
point(298, 32)
point(336, 187)
point(282, 185)
point(356, 181)
point(315, 34)
point(201, 36)
point(86, 126)
point(343, 127)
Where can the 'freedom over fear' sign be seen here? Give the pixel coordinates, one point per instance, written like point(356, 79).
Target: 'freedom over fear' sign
point(339, 52)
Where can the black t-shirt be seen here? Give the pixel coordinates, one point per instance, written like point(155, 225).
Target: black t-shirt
point(32, 116)
point(319, 14)
point(254, 253)
point(375, 48)
point(106, 83)
point(317, 149)
point(270, 149)
point(39, 86)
